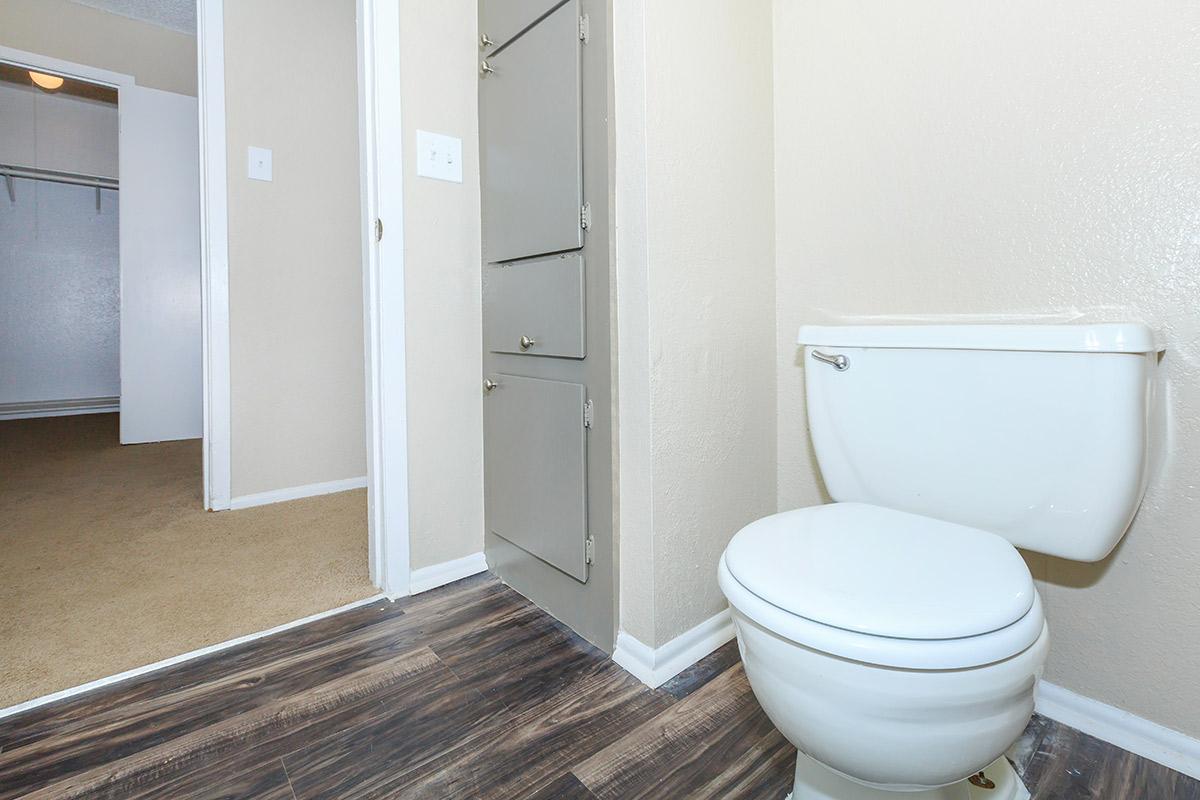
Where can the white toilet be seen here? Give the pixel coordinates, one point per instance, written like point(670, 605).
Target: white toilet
point(895, 635)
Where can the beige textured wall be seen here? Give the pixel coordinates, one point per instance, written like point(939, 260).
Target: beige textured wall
point(695, 276)
point(154, 56)
point(295, 259)
point(442, 286)
point(1012, 158)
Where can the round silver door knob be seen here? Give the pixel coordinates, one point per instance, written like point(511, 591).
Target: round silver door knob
point(484, 41)
point(489, 384)
point(527, 343)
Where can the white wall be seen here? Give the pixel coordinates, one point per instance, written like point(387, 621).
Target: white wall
point(295, 255)
point(57, 131)
point(59, 300)
point(1012, 157)
point(59, 275)
point(695, 295)
point(442, 283)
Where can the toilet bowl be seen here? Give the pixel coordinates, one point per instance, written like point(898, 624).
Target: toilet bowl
point(872, 710)
point(894, 635)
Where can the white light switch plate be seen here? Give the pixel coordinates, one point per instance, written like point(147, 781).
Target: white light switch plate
point(439, 156)
point(260, 163)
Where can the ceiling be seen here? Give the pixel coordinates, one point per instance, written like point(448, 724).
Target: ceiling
point(178, 15)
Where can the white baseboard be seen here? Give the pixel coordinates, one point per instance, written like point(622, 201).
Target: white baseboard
point(1173, 749)
point(296, 493)
point(656, 666)
point(426, 578)
point(60, 408)
point(168, 662)
point(1135, 734)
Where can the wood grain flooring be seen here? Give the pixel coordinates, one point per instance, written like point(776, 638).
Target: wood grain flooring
point(468, 691)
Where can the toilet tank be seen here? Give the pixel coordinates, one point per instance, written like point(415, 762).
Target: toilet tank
point(1035, 432)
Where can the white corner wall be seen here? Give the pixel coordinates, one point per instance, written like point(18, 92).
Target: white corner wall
point(695, 299)
point(1012, 158)
point(442, 283)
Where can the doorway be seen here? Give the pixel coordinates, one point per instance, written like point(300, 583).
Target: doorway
point(99, 350)
point(111, 562)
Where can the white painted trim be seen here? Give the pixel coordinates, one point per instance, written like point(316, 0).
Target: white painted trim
point(1135, 734)
point(656, 666)
point(1173, 749)
point(60, 408)
point(214, 253)
point(296, 493)
point(381, 156)
point(169, 662)
point(427, 578)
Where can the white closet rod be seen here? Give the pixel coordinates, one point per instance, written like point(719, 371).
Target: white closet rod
point(75, 178)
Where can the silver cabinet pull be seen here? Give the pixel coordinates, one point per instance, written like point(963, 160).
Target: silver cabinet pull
point(527, 343)
point(485, 68)
point(838, 362)
point(489, 384)
point(484, 41)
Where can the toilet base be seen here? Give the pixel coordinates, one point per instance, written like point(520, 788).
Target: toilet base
point(815, 781)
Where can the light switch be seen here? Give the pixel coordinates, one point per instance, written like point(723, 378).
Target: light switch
point(260, 163)
point(439, 156)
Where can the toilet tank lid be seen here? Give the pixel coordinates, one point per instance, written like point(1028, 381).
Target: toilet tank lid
point(1109, 337)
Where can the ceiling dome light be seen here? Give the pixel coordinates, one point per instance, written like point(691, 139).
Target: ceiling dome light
point(47, 82)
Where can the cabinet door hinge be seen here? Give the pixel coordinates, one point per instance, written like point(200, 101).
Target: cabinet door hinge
point(585, 216)
point(585, 29)
point(378, 230)
point(589, 550)
point(587, 414)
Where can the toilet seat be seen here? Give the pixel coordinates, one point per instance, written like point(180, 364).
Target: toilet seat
point(883, 587)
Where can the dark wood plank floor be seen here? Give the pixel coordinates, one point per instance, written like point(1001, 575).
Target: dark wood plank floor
point(468, 691)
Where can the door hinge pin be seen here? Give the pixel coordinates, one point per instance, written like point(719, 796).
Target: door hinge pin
point(589, 550)
point(585, 216)
point(585, 29)
point(378, 230)
point(587, 414)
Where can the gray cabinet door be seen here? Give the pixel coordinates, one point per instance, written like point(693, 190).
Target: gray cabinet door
point(531, 141)
point(501, 20)
point(535, 468)
point(535, 307)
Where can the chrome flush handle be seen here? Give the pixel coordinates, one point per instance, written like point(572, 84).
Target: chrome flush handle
point(838, 362)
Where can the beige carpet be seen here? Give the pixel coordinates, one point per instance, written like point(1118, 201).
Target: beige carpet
point(108, 561)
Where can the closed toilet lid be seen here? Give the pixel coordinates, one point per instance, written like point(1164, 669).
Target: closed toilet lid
point(881, 572)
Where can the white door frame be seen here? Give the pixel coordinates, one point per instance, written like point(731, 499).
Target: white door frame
point(214, 254)
point(381, 174)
